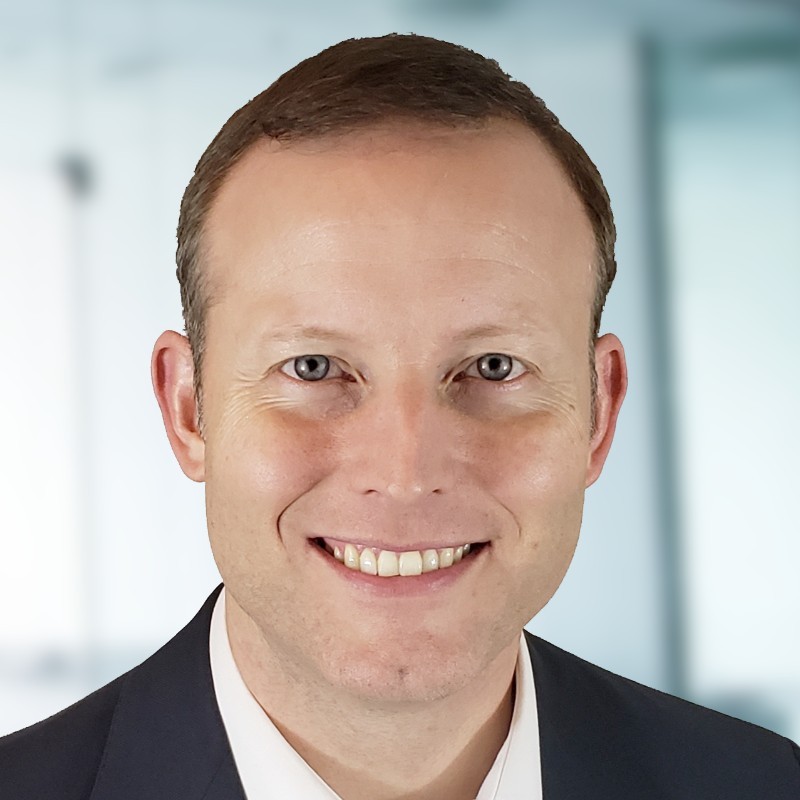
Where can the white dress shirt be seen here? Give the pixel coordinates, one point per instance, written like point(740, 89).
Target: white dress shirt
point(271, 769)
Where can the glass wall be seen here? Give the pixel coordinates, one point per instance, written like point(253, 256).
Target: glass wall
point(731, 180)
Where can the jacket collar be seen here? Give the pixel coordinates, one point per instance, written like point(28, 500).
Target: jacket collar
point(590, 744)
point(167, 738)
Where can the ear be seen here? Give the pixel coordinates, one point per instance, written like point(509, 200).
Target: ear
point(612, 383)
point(172, 373)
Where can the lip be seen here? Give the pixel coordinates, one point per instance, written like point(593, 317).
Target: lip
point(398, 587)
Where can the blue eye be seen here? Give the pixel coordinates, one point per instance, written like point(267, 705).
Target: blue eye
point(310, 368)
point(494, 367)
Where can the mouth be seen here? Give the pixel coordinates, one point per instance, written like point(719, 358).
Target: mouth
point(389, 565)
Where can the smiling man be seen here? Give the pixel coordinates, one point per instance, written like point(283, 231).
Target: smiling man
point(393, 264)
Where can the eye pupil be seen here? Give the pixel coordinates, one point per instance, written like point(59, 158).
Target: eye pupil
point(494, 366)
point(318, 369)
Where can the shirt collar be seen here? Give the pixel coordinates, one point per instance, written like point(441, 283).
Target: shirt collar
point(270, 767)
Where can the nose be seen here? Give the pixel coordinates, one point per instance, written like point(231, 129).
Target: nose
point(406, 445)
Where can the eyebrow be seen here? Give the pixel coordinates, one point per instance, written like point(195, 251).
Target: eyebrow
point(295, 332)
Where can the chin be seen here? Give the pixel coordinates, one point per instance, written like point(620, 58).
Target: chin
point(393, 672)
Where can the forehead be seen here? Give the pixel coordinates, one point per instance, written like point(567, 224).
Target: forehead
point(402, 211)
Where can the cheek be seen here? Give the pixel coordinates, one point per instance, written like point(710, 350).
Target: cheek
point(536, 460)
point(258, 466)
point(536, 470)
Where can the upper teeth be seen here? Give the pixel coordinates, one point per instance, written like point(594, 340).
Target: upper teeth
point(388, 563)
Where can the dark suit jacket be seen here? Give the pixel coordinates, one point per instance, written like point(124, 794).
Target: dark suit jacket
point(155, 733)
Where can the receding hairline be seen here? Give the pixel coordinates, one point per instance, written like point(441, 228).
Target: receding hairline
point(379, 137)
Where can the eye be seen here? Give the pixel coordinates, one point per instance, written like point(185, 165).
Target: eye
point(310, 368)
point(494, 367)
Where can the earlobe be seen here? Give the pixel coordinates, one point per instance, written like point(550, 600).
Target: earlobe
point(172, 373)
point(612, 383)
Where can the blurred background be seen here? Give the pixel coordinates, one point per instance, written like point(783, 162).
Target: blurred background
point(686, 575)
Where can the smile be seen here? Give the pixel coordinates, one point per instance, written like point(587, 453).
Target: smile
point(390, 563)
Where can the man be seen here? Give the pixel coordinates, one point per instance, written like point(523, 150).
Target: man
point(393, 264)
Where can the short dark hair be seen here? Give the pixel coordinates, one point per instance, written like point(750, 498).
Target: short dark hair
point(366, 82)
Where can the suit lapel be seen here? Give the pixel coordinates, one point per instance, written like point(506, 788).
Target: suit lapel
point(167, 739)
point(564, 743)
point(586, 741)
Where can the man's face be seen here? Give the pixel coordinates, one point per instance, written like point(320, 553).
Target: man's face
point(400, 241)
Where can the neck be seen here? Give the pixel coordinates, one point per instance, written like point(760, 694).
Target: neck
point(441, 749)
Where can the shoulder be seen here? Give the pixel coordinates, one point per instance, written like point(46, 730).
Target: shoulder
point(690, 745)
point(59, 757)
point(160, 713)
